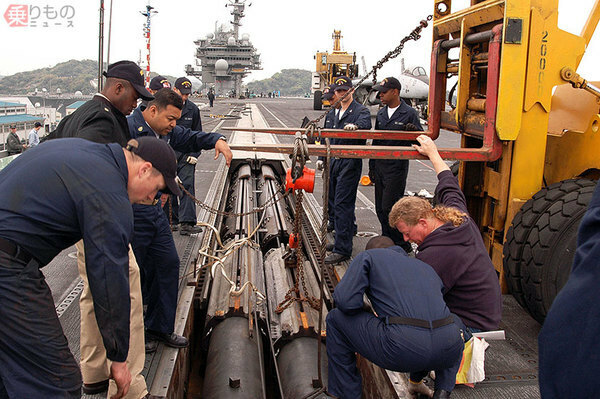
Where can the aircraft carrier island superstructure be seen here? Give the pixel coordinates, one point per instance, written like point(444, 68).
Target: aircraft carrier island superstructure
point(225, 58)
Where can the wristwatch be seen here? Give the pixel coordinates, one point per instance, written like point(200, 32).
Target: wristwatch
point(223, 138)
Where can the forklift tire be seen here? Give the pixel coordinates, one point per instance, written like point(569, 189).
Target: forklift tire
point(548, 253)
point(318, 102)
point(522, 223)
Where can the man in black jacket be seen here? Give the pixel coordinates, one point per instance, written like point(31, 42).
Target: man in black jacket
point(344, 173)
point(184, 208)
point(102, 120)
point(389, 175)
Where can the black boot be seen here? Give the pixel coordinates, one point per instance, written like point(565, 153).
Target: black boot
point(441, 394)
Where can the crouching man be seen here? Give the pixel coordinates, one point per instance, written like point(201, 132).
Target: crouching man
point(412, 330)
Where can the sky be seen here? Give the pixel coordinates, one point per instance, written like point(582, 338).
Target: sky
point(286, 33)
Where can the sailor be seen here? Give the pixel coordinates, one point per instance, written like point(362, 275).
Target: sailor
point(344, 173)
point(158, 82)
point(185, 211)
point(75, 189)
point(389, 175)
point(412, 330)
point(103, 120)
point(450, 242)
point(211, 97)
point(153, 241)
point(568, 341)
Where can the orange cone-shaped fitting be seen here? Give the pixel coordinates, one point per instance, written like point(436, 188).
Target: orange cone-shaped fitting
point(305, 182)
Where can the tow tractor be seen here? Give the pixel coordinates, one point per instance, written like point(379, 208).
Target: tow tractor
point(330, 65)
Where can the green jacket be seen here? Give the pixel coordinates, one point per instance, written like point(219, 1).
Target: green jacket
point(13, 144)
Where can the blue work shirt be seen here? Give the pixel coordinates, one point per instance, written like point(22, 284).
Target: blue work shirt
point(402, 115)
point(396, 284)
point(62, 191)
point(356, 114)
point(190, 116)
point(180, 139)
point(34, 138)
point(568, 342)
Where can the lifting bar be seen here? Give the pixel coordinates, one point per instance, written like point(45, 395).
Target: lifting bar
point(490, 150)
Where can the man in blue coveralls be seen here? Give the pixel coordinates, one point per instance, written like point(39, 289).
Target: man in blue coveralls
point(389, 175)
point(344, 173)
point(568, 343)
point(184, 212)
point(412, 330)
point(153, 243)
point(75, 189)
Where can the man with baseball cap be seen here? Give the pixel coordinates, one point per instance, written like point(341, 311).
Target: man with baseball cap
point(184, 212)
point(13, 143)
point(389, 175)
point(103, 117)
point(153, 242)
point(158, 82)
point(344, 173)
point(76, 190)
point(103, 120)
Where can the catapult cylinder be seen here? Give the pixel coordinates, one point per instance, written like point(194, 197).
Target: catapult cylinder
point(233, 364)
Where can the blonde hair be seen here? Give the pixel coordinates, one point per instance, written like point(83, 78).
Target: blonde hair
point(411, 209)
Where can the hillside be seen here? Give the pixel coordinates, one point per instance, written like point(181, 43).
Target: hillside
point(291, 82)
point(69, 77)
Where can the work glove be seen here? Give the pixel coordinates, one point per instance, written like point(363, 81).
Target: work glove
point(411, 128)
point(350, 126)
point(192, 160)
point(319, 165)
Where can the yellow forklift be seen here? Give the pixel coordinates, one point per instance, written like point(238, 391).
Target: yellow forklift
point(529, 199)
point(330, 65)
point(529, 128)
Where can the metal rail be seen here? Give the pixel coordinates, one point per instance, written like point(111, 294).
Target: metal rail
point(491, 149)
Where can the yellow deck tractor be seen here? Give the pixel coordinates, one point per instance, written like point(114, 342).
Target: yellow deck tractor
point(330, 65)
point(530, 198)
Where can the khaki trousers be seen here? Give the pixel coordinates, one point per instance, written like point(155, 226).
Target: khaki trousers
point(95, 367)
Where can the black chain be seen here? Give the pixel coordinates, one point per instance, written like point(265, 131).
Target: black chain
point(414, 35)
point(269, 202)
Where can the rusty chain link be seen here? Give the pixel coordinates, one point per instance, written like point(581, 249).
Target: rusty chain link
point(303, 296)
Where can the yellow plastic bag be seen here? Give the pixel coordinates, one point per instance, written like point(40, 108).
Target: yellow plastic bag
point(472, 364)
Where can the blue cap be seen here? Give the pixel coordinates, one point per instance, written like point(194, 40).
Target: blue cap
point(342, 83)
point(159, 82)
point(328, 92)
point(131, 72)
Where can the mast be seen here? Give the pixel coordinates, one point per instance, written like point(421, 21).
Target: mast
point(148, 14)
point(238, 14)
point(101, 46)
